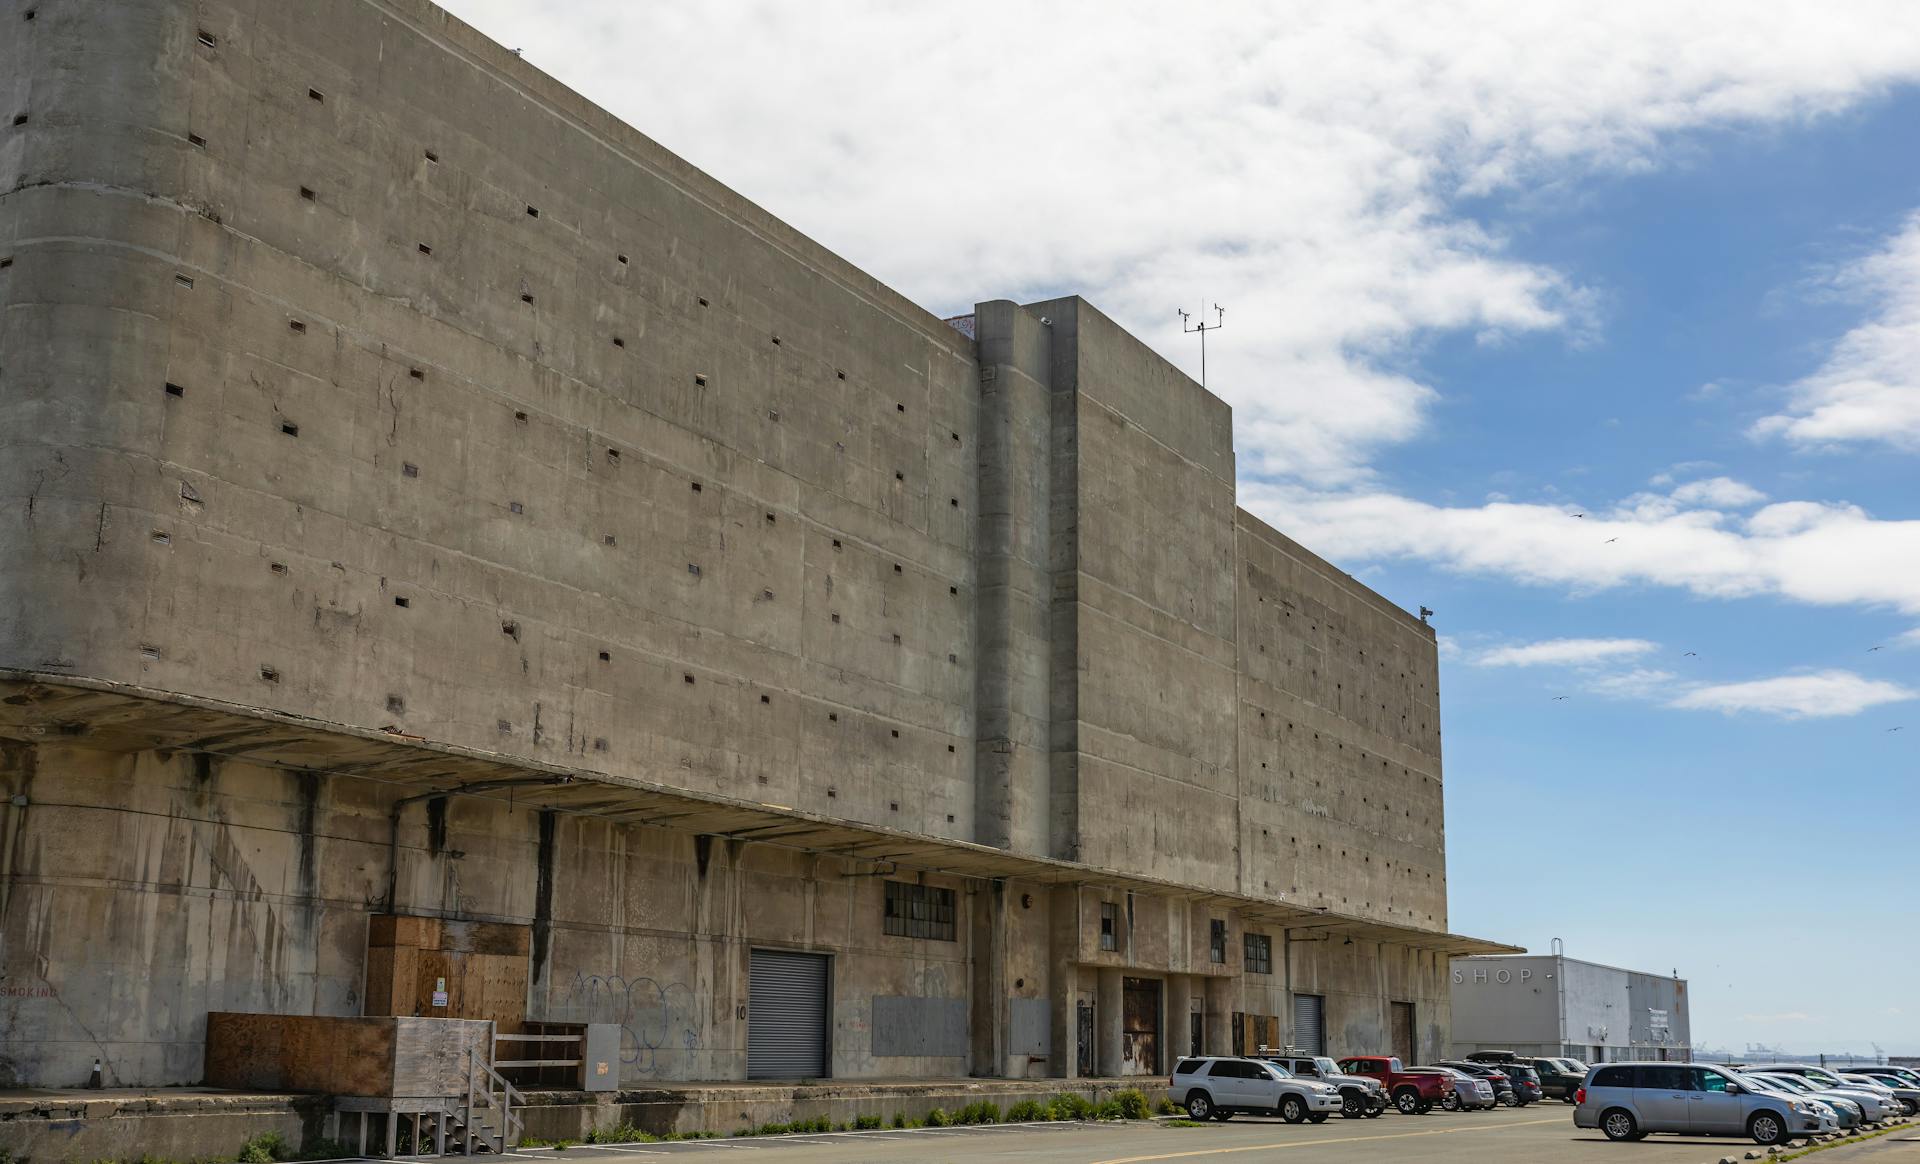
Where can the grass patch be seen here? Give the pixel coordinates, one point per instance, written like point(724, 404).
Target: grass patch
point(1858, 1138)
point(1026, 1112)
point(1181, 1123)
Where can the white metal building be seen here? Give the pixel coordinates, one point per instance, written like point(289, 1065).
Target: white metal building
point(1550, 1004)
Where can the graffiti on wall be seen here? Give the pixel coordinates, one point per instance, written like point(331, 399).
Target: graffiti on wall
point(657, 1020)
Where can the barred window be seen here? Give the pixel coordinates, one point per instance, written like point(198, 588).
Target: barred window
point(920, 911)
point(1259, 954)
point(1217, 950)
point(1109, 917)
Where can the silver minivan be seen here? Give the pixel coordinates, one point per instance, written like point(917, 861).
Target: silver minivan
point(1627, 1101)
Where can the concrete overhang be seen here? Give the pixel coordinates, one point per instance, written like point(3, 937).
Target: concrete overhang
point(47, 708)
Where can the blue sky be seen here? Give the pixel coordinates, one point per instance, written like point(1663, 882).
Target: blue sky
point(1487, 266)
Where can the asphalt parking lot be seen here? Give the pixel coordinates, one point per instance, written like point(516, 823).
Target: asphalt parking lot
point(1543, 1134)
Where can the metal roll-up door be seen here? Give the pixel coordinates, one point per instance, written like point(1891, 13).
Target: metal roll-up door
point(786, 1015)
point(1309, 1027)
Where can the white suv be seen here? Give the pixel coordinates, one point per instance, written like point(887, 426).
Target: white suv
point(1213, 1087)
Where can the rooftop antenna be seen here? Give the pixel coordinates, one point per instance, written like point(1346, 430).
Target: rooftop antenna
point(1203, 327)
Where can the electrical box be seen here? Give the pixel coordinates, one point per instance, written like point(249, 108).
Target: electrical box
point(600, 1058)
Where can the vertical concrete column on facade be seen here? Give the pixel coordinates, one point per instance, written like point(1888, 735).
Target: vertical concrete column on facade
point(1011, 591)
point(987, 1012)
point(1176, 1037)
point(1063, 981)
point(1217, 1027)
point(1109, 1009)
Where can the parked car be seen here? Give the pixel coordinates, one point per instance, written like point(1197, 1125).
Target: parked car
point(1215, 1087)
point(1627, 1101)
point(1411, 1093)
point(1557, 1080)
point(1897, 1078)
point(1847, 1113)
point(1359, 1095)
point(1876, 1104)
point(1907, 1093)
point(1506, 1089)
point(1470, 1092)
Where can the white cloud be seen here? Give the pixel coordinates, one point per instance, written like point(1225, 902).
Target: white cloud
point(1565, 652)
point(1869, 388)
point(1824, 554)
point(1823, 693)
point(1719, 493)
point(1300, 163)
point(1640, 683)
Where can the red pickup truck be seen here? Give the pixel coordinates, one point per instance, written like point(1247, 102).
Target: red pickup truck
point(1411, 1094)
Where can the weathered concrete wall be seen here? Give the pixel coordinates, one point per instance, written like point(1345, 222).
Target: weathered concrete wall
point(732, 549)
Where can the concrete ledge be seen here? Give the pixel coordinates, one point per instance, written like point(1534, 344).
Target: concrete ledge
point(53, 1127)
point(725, 1108)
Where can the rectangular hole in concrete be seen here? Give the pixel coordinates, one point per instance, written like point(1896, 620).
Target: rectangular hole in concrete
point(687, 677)
point(184, 280)
point(307, 193)
point(766, 699)
point(5, 262)
point(431, 156)
point(898, 569)
point(955, 436)
point(700, 379)
point(409, 469)
point(533, 212)
point(953, 590)
point(949, 748)
point(776, 341)
point(520, 417)
point(766, 596)
point(417, 373)
point(836, 543)
point(954, 502)
point(316, 95)
point(175, 390)
point(423, 248)
point(149, 652)
point(696, 486)
point(622, 258)
point(269, 674)
point(526, 297)
point(289, 428)
point(161, 537)
point(618, 342)
point(510, 629)
point(899, 476)
point(195, 140)
point(606, 656)
point(833, 793)
point(206, 38)
point(771, 519)
point(894, 732)
point(610, 539)
point(833, 717)
point(836, 618)
point(896, 640)
point(505, 727)
point(296, 325)
point(19, 119)
point(703, 300)
point(894, 805)
point(402, 602)
point(515, 507)
point(839, 374)
point(396, 705)
point(613, 456)
point(599, 743)
point(29, 14)
point(693, 568)
point(899, 408)
point(773, 414)
point(278, 567)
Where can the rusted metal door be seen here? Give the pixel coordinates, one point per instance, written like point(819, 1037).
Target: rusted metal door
point(1403, 1032)
point(1140, 1027)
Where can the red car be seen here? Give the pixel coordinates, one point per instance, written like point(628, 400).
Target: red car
point(1411, 1093)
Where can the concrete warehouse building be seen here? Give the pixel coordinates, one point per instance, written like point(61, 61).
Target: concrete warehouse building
point(458, 559)
point(1550, 1004)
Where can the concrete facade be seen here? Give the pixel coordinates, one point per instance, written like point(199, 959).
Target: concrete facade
point(422, 494)
point(1549, 1004)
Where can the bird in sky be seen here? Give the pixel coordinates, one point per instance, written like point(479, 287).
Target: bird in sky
point(1871, 650)
point(1690, 655)
point(1558, 698)
point(1579, 515)
point(1609, 541)
point(1901, 728)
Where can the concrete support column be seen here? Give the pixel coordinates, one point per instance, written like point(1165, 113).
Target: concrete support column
point(987, 1016)
point(1176, 1032)
point(1218, 1026)
point(1063, 980)
point(1108, 1010)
